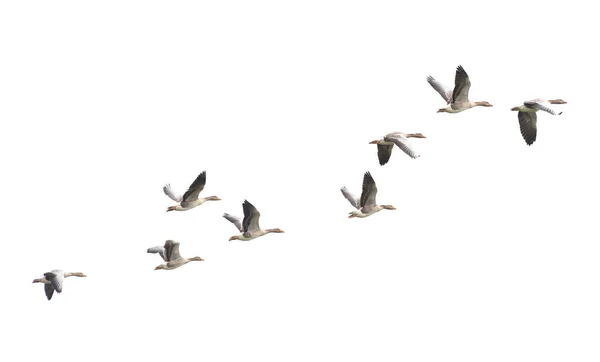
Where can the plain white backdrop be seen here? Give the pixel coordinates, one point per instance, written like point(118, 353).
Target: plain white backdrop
point(492, 254)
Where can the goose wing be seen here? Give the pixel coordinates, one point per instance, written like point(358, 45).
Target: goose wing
point(172, 195)
point(49, 289)
point(441, 89)
point(528, 125)
point(462, 84)
point(369, 191)
point(541, 105)
point(251, 216)
point(172, 250)
point(384, 152)
point(403, 143)
point(354, 201)
point(237, 221)
point(160, 250)
point(55, 278)
point(194, 190)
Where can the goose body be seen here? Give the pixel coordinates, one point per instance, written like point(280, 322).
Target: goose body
point(528, 117)
point(191, 198)
point(170, 254)
point(248, 226)
point(53, 281)
point(458, 97)
point(366, 205)
point(385, 145)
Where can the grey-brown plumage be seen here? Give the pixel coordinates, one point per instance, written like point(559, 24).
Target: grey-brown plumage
point(194, 190)
point(53, 281)
point(458, 97)
point(385, 145)
point(191, 198)
point(369, 191)
point(462, 84)
point(528, 116)
point(528, 126)
point(248, 226)
point(170, 253)
point(366, 204)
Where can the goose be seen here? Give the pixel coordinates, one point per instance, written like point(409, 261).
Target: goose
point(248, 227)
point(385, 145)
point(366, 205)
point(53, 280)
point(190, 199)
point(170, 254)
point(528, 118)
point(458, 98)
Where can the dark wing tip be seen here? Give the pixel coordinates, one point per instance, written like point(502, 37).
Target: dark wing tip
point(460, 71)
point(49, 290)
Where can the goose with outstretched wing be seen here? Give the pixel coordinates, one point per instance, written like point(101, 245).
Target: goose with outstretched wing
point(248, 226)
point(528, 117)
point(458, 97)
point(170, 254)
point(191, 198)
point(366, 205)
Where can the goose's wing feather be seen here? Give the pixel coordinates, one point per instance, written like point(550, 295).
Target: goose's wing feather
point(160, 250)
point(462, 84)
point(404, 144)
point(541, 105)
point(384, 152)
point(49, 289)
point(354, 201)
point(55, 278)
point(441, 89)
point(172, 195)
point(195, 188)
point(172, 250)
point(369, 191)
point(235, 220)
point(528, 125)
point(251, 216)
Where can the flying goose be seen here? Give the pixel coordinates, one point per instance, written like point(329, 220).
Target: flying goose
point(170, 254)
point(248, 227)
point(528, 118)
point(53, 280)
point(458, 98)
point(366, 205)
point(385, 145)
point(190, 199)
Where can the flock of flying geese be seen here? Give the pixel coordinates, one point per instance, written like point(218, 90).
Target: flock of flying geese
point(457, 100)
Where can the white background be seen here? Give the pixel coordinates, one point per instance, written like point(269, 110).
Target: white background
point(492, 254)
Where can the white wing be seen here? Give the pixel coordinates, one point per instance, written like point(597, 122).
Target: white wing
point(160, 250)
point(169, 192)
point(237, 221)
point(541, 105)
point(403, 143)
point(441, 89)
point(354, 201)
